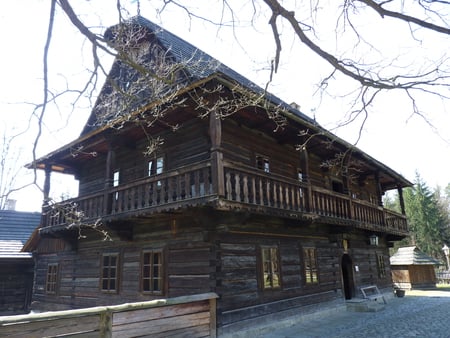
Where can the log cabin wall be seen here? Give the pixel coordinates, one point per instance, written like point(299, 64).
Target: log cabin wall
point(186, 259)
point(16, 279)
point(244, 300)
point(243, 145)
point(222, 252)
point(188, 144)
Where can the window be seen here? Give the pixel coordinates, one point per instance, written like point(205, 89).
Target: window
point(310, 264)
point(109, 273)
point(337, 186)
point(300, 176)
point(152, 271)
point(263, 163)
point(156, 166)
point(380, 266)
point(116, 178)
point(270, 267)
point(52, 278)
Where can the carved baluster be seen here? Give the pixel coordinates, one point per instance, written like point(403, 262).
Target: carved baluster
point(245, 184)
point(228, 185)
point(280, 194)
point(237, 186)
point(253, 192)
point(269, 201)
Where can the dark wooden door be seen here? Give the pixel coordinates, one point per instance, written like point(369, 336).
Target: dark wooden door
point(347, 276)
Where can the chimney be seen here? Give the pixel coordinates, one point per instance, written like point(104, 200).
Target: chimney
point(10, 204)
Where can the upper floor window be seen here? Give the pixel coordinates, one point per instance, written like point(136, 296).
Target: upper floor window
point(310, 265)
point(270, 267)
point(337, 186)
point(156, 166)
point(116, 178)
point(52, 278)
point(152, 271)
point(381, 266)
point(300, 176)
point(262, 163)
point(109, 273)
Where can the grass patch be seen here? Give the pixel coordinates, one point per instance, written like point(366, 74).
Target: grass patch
point(443, 287)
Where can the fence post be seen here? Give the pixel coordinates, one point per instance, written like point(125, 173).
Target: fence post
point(105, 325)
point(212, 318)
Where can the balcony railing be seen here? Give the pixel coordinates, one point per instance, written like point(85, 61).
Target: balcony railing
point(244, 188)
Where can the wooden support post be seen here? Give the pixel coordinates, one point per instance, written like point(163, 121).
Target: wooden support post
point(400, 198)
point(48, 171)
point(217, 173)
point(46, 201)
point(304, 165)
point(109, 170)
point(378, 187)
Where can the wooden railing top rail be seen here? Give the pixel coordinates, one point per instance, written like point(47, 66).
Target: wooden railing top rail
point(164, 175)
point(31, 317)
point(258, 172)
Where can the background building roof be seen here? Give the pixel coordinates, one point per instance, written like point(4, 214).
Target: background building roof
point(15, 229)
point(411, 255)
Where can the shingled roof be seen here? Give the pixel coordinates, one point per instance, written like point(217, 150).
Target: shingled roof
point(15, 229)
point(411, 255)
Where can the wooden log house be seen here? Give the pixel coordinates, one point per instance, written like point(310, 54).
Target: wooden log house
point(243, 195)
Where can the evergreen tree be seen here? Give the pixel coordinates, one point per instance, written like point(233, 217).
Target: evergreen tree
point(426, 220)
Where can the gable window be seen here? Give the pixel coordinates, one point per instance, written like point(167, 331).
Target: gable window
point(381, 266)
point(262, 163)
point(310, 265)
point(270, 267)
point(109, 273)
point(156, 166)
point(52, 278)
point(152, 271)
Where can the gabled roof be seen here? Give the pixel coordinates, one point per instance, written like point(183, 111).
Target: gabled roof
point(15, 229)
point(411, 255)
point(199, 65)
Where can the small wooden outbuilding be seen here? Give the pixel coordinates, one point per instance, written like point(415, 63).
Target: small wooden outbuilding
point(16, 267)
point(413, 269)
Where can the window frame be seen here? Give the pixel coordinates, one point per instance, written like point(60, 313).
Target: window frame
point(109, 278)
point(51, 279)
point(154, 167)
point(381, 266)
point(273, 250)
point(144, 276)
point(262, 162)
point(310, 266)
point(116, 178)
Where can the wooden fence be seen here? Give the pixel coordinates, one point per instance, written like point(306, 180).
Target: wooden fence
point(187, 316)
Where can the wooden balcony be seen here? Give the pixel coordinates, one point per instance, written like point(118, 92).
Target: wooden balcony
point(244, 189)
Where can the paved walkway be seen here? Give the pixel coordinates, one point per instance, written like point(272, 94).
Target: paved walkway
point(419, 314)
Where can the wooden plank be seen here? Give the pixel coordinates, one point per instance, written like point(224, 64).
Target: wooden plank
point(161, 325)
point(122, 318)
point(52, 327)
